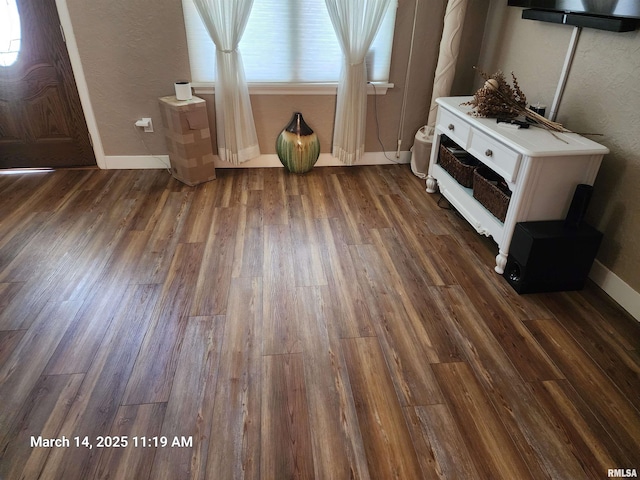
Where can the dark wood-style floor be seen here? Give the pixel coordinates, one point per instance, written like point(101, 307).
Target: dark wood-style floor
point(334, 325)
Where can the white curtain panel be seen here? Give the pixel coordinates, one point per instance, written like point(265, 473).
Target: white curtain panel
point(442, 81)
point(225, 21)
point(448, 56)
point(356, 23)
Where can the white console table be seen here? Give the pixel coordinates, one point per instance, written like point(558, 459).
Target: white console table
point(541, 171)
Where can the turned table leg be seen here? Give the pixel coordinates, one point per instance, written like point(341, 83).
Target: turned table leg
point(432, 184)
point(501, 262)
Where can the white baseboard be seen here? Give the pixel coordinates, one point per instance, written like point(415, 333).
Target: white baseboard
point(616, 288)
point(125, 162)
point(325, 160)
point(129, 162)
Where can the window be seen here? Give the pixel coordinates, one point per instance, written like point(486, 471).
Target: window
point(9, 32)
point(287, 41)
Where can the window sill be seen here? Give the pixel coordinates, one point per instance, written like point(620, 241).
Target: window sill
point(206, 88)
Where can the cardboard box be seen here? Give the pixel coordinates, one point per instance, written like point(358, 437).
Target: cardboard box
point(188, 137)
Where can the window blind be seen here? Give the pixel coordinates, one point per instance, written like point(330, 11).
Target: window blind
point(287, 41)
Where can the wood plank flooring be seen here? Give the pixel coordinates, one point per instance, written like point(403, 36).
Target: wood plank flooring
point(332, 325)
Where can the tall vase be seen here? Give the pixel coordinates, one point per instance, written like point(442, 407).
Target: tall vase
point(298, 146)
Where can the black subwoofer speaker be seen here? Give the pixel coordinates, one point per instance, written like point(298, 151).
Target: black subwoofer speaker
point(549, 256)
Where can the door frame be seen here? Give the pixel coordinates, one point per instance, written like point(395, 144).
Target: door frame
point(81, 83)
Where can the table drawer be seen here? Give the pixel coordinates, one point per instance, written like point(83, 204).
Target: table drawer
point(453, 127)
point(494, 155)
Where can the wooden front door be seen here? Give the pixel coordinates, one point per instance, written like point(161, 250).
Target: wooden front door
point(42, 123)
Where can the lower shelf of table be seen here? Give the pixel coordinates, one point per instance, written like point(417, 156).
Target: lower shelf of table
point(462, 199)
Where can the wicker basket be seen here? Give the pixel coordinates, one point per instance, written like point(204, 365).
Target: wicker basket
point(459, 167)
point(491, 191)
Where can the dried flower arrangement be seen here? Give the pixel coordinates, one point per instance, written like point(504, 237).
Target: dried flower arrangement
point(497, 98)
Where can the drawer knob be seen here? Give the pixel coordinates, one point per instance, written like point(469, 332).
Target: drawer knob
point(451, 127)
point(488, 152)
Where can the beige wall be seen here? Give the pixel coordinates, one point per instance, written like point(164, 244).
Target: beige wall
point(132, 51)
point(131, 55)
point(602, 96)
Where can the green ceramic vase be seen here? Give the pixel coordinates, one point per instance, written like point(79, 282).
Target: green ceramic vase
point(298, 146)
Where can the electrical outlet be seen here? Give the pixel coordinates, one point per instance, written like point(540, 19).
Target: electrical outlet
point(146, 123)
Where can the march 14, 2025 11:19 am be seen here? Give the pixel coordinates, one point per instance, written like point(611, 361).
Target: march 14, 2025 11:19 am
point(121, 441)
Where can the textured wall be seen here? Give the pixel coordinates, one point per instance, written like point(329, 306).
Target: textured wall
point(132, 51)
point(602, 96)
point(131, 55)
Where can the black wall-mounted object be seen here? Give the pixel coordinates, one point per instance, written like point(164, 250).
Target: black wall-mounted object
point(548, 256)
point(611, 15)
point(576, 20)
